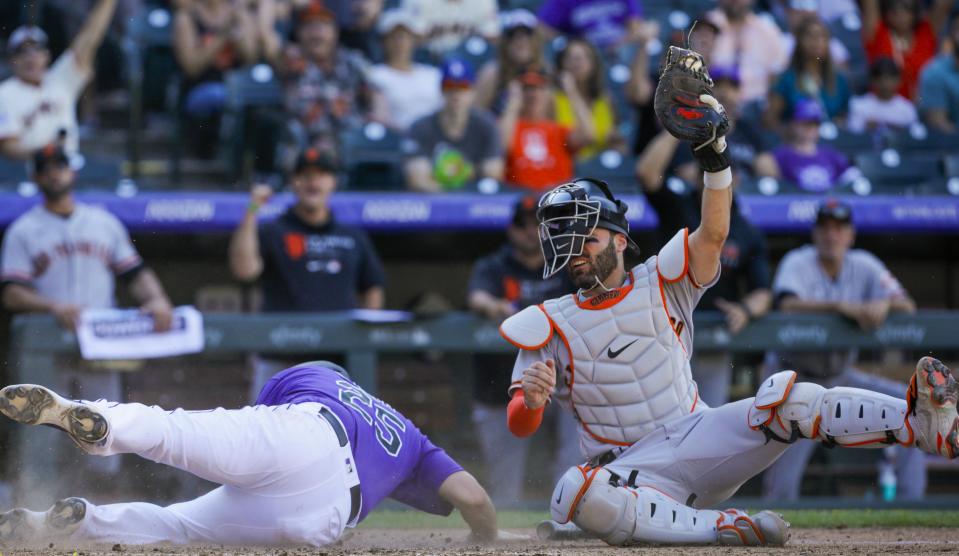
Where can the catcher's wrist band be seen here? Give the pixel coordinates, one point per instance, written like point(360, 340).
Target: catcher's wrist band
point(718, 180)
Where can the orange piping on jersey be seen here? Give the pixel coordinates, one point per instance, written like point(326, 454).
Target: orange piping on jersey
point(780, 401)
point(607, 299)
point(582, 491)
point(685, 262)
point(815, 426)
point(572, 381)
point(695, 399)
point(669, 319)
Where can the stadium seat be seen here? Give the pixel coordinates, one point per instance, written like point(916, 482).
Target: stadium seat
point(617, 77)
point(248, 89)
point(892, 170)
point(475, 50)
point(372, 158)
point(849, 143)
point(768, 187)
point(12, 172)
point(919, 138)
point(99, 172)
point(151, 31)
point(614, 168)
point(253, 86)
point(952, 165)
point(848, 30)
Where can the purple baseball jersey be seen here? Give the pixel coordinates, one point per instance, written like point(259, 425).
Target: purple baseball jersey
point(814, 173)
point(601, 22)
point(393, 458)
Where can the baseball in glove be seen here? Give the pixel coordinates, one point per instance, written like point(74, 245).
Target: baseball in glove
point(686, 107)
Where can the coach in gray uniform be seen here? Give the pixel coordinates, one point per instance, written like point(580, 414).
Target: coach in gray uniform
point(831, 277)
point(61, 257)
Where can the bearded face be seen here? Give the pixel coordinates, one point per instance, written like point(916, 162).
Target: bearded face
point(596, 263)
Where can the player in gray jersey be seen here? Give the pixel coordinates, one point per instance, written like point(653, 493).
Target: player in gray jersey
point(831, 276)
point(617, 354)
point(62, 256)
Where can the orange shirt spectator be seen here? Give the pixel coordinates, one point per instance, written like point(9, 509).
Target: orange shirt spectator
point(539, 151)
point(897, 29)
point(538, 157)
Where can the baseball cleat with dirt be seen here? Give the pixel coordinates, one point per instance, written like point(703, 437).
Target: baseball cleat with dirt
point(31, 404)
point(932, 395)
point(26, 526)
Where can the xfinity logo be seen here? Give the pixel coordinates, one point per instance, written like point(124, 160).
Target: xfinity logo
point(908, 334)
point(396, 211)
point(802, 211)
point(285, 336)
point(179, 210)
point(416, 336)
point(792, 334)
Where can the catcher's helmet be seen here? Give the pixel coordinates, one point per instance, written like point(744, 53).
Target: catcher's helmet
point(569, 213)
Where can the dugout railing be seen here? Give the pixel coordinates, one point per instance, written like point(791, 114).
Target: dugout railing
point(37, 343)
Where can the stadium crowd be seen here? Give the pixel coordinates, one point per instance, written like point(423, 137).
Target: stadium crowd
point(522, 94)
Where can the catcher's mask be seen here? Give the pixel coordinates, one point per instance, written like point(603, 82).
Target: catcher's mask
point(568, 215)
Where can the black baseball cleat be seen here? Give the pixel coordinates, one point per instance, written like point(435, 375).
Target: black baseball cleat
point(31, 404)
point(931, 398)
point(26, 526)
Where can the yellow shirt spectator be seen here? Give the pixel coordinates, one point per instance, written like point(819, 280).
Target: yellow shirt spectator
point(604, 121)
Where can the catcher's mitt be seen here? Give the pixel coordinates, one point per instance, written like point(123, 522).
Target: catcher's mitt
point(684, 101)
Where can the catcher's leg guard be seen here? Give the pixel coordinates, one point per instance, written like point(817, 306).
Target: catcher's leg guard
point(785, 410)
point(594, 500)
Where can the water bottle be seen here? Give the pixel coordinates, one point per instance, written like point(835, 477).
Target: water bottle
point(887, 475)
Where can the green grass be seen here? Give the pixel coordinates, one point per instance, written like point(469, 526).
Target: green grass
point(830, 519)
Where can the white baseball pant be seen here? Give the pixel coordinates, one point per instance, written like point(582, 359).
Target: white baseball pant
point(282, 470)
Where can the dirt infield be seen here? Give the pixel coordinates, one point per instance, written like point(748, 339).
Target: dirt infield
point(390, 542)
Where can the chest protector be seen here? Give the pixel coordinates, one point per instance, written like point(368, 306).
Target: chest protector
point(629, 372)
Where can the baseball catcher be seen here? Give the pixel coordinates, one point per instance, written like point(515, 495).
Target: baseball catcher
point(616, 354)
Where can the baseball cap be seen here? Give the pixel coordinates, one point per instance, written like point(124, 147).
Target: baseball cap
point(725, 73)
point(26, 34)
point(314, 11)
point(512, 20)
point(50, 154)
point(834, 209)
point(457, 74)
point(807, 110)
point(316, 159)
point(533, 76)
point(391, 19)
point(524, 210)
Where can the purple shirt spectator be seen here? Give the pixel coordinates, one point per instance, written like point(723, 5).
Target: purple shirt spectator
point(817, 172)
point(393, 458)
point(602, 22)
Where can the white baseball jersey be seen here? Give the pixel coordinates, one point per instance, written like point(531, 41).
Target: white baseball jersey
point(36, 114)
point(70, 260)
point(622, 357)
